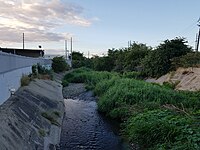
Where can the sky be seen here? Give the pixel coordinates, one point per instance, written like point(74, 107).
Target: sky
point(95, 25)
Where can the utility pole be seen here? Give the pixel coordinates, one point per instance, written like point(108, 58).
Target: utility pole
point(88, 54)
point(198, 36)
point(66, 51)
point(128, 44)
point(23, 41)
point(71, 51)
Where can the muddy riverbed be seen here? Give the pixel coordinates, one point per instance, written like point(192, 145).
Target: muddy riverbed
point(83, 127)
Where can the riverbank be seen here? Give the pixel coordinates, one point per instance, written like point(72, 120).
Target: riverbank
point(153, 116)
point(31, 119)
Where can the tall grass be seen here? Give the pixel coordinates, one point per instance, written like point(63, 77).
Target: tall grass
point(155, 117)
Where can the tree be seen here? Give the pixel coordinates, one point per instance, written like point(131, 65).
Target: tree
point(134, 56)
point(59, 64)
point(102, 63)
point(78, 60)
point(158, 62)
point(188, 60)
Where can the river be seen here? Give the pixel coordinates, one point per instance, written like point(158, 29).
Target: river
point(83, 127)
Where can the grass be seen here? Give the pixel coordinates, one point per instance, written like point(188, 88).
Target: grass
point(154, 116)
point(42, 132)
point(25, 80)
point(52, 117)
point(38, 72)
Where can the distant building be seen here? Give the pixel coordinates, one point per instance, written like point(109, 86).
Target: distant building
point(24, 52)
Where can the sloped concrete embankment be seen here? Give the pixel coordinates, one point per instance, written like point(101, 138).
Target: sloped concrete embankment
point(31, 119)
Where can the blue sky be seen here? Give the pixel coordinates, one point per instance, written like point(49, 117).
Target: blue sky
point(97, 25)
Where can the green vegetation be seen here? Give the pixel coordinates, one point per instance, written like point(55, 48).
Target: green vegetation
point(38, 72)
point(140, 58)
point(65, 83)
point(56, 113)
point(25, 80)
point(59, 64)
point(153, 116)
point(188, 60)
point(52, 117)
point(158, 62)
point(42, 132)
point(78, 60)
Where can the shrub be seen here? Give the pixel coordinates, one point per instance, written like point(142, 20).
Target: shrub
point(25, 80)
point(188, 60)
point(34, 70)
point(59, 64)
point(65, 83)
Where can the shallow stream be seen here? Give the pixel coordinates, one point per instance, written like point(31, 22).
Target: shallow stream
point(85, 129)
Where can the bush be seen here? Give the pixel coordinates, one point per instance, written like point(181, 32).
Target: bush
point(65, 83)
point(59, 64)
point(34, 70)
point(25, 80)
point(188, 60)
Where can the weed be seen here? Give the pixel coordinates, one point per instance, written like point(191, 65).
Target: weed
point(56, 113)
point(50, 118)
point(42, 132)
point(25, 80)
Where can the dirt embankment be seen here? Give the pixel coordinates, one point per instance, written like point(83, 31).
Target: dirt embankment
point(184, 79)
point(31, 119)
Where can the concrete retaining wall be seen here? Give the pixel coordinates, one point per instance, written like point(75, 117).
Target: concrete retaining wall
point(31, 119)
point(12, 67)
point(11, 81)
point(9, 62)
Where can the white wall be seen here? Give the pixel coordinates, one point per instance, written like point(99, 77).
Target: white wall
point(9, 62)
point(11, 80)
point(12, 67)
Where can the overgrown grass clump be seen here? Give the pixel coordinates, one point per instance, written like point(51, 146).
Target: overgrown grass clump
point(25, 80)
point(52, 117)
point(85, 75)
point(154, 117)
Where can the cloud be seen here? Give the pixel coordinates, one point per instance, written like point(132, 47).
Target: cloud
point(38, 19)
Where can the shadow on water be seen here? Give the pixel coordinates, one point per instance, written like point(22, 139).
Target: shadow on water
point(84, 128)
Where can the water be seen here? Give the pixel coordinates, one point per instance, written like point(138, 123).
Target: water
point(85, 129)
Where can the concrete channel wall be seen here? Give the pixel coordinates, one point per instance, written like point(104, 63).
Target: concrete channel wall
point(12, 67)
point(31, 119)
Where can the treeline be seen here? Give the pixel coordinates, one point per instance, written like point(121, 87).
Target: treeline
point(143, 59)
